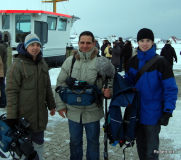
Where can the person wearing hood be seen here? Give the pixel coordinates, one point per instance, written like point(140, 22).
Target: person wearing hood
point(29, 92)
point(157, 95)
point(168, 52)
point(116, 51)
point(3, 55)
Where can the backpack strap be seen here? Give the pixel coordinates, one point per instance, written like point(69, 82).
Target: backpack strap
point(147, 66)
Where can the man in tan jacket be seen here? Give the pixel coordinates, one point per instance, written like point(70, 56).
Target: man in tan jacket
point(88, 116)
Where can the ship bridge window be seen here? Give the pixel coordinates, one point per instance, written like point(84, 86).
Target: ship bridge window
point(22, 27)
point(62, 24)
point(52, 23)
point(5, 22)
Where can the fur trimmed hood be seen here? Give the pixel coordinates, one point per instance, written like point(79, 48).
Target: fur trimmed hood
point(94, 54)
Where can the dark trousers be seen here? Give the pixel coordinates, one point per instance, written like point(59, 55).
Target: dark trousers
point(120, 66)
point(116, 68)
point(148, 141)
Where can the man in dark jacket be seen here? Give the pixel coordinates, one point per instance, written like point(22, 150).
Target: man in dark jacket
point(29, 92)
point(168, 52)
point(157, 93)
point(103, 47)
point(127, 53)
point(3, 54)
point(116, 51)
point(121, 45)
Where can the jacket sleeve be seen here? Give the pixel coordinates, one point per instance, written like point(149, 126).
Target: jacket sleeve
point(170, 88)
point(174, 55)
point(64, 73)
point(49, 95)
point(1, 68)
point(13, 83)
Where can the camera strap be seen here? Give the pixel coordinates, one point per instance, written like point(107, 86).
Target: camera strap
point(73, 61)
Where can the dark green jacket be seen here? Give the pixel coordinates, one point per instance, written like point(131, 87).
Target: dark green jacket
point(3, 54)
point(29, 92)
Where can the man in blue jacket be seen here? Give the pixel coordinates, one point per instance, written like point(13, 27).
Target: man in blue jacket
point(157, 92)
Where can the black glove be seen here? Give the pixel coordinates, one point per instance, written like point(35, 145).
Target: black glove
point(11, 122)
point(164, 119)
point(1, 79)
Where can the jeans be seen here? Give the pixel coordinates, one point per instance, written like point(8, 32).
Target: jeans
point(148, 141)
point(76, 140)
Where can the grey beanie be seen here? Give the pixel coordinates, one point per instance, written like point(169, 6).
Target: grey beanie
point(31, 38)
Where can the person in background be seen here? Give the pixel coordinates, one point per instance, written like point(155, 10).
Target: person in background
point(3, 55)
point(121, 45)
point(116, 51)
point(80, 117)
point(127, 53)
point(97, 46)
point(29, 92)
point(157, 95)
point(108, 51)
point(168, 52)
point(103, 47)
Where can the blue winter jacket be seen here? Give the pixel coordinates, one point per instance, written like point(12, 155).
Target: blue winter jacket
point(157, 86)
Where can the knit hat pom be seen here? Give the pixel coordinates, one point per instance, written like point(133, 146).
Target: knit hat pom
point(145, 33)
point(31, 38)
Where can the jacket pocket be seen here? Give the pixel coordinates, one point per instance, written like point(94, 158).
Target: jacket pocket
point(29, 80)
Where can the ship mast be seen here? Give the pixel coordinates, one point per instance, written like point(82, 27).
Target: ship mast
point(54, 3)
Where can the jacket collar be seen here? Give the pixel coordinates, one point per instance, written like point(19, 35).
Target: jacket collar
point(85, 56)
point(147, 55)
point(21, 50)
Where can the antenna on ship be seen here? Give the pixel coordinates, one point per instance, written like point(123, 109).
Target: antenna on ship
point(54, 3)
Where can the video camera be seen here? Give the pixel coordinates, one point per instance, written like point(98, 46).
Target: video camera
point(16, 141)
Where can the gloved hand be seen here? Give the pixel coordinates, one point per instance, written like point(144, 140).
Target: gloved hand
point(164, 119)
point(1, 79)
point(11, 122)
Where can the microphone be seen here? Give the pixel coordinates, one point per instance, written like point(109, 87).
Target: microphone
point(104, 67)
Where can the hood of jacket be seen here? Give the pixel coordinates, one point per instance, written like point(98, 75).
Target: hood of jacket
point(167, 46)
point(21, 50)
point(116, 44)
point(85, 56)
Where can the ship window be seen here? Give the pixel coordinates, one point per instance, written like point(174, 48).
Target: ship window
point(23, 27)
point(62, 24)
point(5, 22)
point(52, 22)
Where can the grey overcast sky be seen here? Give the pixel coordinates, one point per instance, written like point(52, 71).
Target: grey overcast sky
point(114, 17)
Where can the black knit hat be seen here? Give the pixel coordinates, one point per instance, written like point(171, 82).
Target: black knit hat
point(145, 33)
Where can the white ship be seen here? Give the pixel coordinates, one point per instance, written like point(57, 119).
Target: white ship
point(52, 28)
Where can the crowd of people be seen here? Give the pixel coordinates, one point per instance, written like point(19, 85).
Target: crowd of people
point(119, 54)
point(29, 93)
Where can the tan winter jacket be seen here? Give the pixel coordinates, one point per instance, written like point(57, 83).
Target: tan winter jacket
point(84, 69)
point(29, 92)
